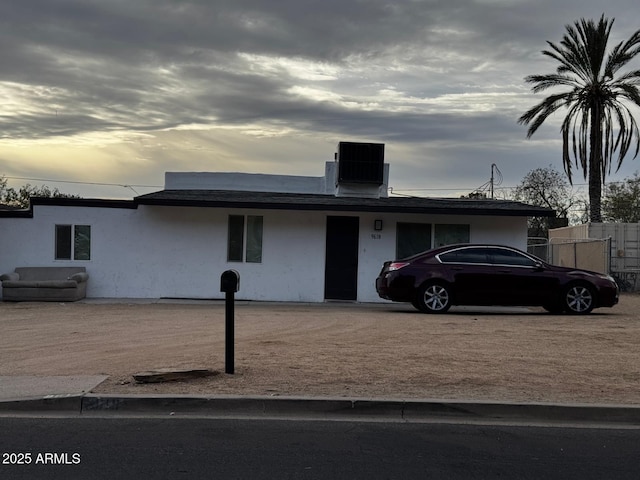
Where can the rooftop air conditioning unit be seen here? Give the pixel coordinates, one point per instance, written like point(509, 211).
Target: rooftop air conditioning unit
point(360, 163)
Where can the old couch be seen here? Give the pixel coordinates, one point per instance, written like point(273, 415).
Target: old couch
point(45, 284)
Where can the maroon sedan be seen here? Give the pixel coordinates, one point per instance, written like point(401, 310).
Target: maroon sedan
point(492, 275)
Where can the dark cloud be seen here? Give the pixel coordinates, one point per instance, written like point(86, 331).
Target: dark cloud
point(420, 72)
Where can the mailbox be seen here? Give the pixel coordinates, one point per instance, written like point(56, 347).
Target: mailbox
point(230, 281)
point(229, 284)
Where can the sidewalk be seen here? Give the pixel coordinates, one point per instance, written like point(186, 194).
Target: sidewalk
point(327, 360)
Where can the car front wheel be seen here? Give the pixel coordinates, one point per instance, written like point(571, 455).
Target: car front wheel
point(433, 298)
point(578, 299)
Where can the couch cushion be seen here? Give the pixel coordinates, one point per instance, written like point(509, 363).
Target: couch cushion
point(40, 284)
point(47, 273)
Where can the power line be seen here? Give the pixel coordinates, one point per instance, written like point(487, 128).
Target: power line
point(393, 190)
point(575, 185)
point(83, 183)
point(473, 188)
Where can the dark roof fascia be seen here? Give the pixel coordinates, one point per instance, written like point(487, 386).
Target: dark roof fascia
point(84, 202)
point(20, 213)
point(315, 202)
point(67, 202)
point(309, 202)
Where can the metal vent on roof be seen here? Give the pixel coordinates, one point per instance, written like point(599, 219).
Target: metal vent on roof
point(361, 163)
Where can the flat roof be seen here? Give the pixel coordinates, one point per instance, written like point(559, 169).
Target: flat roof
point(300, 201)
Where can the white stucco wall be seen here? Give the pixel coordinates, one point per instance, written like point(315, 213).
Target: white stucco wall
point(154, 252)
point(263, 182)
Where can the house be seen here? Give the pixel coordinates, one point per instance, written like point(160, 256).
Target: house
point(291, 238)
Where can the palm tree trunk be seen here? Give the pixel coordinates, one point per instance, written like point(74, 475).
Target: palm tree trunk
point(595, 194)
point(595, 164)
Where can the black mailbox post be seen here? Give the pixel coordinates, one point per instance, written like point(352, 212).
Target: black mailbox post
point(229, 284)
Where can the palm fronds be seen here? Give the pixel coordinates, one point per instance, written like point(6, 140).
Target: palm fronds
point(599, 128)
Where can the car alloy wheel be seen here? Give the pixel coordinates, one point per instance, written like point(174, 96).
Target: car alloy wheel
point(434, 298)
point(579, 299)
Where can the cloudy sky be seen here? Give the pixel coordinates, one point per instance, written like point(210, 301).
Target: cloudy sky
point(120, 91)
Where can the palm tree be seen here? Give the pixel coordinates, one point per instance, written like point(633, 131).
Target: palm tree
point(598, 124)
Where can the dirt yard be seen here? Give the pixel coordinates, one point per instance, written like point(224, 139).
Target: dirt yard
point(338, 350)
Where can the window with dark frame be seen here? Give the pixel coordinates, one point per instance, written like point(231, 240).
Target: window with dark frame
point(235, 245)
point(239, 249)
point(254, 239)
point(413, 238)
point(449, 234)
point(73, 242)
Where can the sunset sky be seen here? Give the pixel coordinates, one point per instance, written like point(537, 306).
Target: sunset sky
point(100, 98)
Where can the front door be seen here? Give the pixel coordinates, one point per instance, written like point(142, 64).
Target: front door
point(341, 268)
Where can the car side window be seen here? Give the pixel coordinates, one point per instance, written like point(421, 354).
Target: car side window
point(466, 255)
point(503, 256)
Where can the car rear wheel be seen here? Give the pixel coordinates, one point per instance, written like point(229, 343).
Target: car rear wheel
point(578, 299)
point(433, 298)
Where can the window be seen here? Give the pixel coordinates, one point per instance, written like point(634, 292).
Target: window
point(254, 239)
point(465, 255)
point(450, 234)
point(236, 238)
point(502, 256)
point(73, 242)
point(239, 250)
point(412, 238)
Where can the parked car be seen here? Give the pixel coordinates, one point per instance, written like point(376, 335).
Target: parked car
point(492, 275)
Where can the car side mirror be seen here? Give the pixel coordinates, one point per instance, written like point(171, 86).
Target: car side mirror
point(539, 266)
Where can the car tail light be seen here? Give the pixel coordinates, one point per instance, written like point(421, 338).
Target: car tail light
point(397, 265)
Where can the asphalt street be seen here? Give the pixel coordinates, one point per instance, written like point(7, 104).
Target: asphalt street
point(188, 448)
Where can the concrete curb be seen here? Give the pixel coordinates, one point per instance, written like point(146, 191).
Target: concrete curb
point(47, 404)
point(387, 409)
point(324, 408)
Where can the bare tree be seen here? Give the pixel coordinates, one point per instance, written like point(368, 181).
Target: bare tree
point(547, 187)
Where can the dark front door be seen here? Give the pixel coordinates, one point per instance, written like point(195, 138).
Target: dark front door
point(341, 268)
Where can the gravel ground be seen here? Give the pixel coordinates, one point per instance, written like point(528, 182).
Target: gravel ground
point(334, 349)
